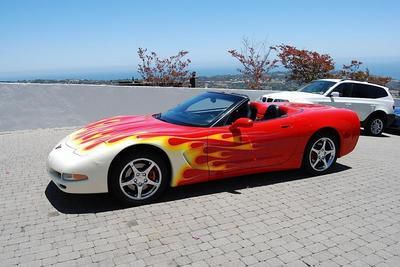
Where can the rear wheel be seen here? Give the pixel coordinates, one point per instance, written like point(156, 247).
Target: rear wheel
point(320, 154)
point(375, 125)
point(139, 178)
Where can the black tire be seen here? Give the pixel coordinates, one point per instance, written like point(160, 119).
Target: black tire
point(120, 169)
point(375, 125)
point(311, 157)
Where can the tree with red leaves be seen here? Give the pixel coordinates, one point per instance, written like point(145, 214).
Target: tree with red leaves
point(353, 72)
point(304, 65)
point(255, 63)
point(381, 80)
point(171, 71)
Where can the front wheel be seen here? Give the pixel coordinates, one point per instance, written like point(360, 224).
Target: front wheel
point(139, 178)
point(375, 126)
point(320, 154)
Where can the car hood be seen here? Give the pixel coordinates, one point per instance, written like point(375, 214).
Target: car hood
point(112, 130)
point(295, 96)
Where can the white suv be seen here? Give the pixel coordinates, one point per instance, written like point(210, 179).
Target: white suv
point(373, 103)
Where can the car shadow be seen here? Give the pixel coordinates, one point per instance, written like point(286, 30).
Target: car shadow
point(94, 203)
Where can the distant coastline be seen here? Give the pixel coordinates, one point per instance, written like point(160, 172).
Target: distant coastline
point(384, 68)
point(278, 81)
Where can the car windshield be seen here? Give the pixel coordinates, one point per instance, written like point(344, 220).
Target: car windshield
point(201, 110)
point(317, 87)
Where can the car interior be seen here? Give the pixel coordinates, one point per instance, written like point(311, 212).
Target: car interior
point(272, 112)
point(257, 112)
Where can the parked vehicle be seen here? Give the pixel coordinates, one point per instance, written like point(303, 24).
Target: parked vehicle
point(396, 123)
point(373, 103)
point(211, 136)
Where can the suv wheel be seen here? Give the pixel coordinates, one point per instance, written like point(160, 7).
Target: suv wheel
point(375, 125)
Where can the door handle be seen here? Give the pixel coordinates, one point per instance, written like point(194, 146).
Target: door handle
point(285, 126)
point(347, 104)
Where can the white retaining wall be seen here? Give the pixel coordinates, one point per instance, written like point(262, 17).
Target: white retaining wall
point(31, 106)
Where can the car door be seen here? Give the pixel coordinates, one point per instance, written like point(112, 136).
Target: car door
point(233, 152)
point(362, 100)
point(229, 152)
point(274, 141)
point(344, 99)
point(355, 96)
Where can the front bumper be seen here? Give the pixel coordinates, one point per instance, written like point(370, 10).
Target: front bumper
point(62, 159)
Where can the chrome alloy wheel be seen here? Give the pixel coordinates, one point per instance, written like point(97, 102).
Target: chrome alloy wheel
point(376, 126)
point(322, 154)
point(140, 178)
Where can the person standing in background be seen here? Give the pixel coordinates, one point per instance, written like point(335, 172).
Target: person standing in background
point(192, 80)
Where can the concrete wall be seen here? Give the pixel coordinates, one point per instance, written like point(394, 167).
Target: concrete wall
point(31, 106)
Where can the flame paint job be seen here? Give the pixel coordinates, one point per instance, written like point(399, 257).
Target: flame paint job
point(190, 141)
point(200, 154)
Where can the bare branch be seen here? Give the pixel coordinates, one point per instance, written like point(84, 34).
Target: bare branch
point(168, 71)
point(255, 62)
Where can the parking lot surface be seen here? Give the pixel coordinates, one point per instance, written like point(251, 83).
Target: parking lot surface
point(348, 217)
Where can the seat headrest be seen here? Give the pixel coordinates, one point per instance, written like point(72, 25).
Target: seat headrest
point(272, 112)
point(253, 112)
point(260, 107)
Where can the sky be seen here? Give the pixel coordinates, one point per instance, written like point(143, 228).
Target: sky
point(67, 39)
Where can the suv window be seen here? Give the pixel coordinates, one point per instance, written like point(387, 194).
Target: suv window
point(367, 91)
point(379, 91)
point(344, 89)
point(317, 87)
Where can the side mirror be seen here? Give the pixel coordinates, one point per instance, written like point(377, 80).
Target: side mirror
point(335, 94)
point(242, 123)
